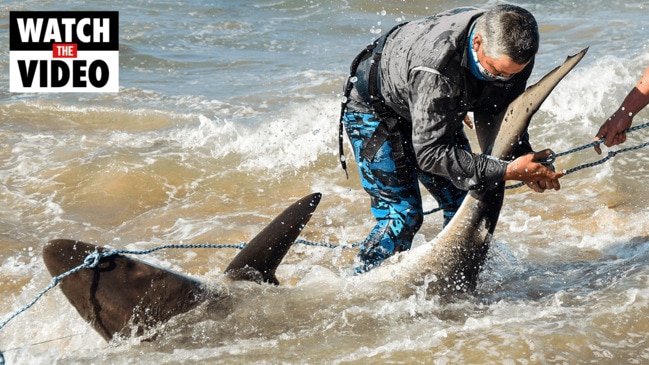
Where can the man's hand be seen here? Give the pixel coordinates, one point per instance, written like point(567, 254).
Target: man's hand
point(530, 169)
point(613, 130)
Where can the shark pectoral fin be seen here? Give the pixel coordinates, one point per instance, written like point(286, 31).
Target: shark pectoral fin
point(520, 111)
point(259, 259)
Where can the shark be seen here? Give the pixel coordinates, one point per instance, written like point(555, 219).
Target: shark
point(122, 296)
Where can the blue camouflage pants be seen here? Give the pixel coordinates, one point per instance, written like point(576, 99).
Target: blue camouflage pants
point(395, 195)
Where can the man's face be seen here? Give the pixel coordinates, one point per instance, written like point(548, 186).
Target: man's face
point(501, 69)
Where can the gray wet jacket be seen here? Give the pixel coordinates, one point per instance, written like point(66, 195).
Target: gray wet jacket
point(425, 79)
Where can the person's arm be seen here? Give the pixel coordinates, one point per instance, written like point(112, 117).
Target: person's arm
point(436, 117)
point(613, 129)
point(434, 124)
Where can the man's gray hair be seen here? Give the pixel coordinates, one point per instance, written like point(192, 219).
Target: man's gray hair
point(509, 30)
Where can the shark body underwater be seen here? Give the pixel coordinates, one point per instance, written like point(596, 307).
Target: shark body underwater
point(120, 293)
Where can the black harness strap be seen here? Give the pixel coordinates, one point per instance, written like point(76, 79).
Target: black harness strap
point(388, 117)
point(349, 85)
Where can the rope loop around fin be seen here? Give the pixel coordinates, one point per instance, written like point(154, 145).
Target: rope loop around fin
point(92, 260)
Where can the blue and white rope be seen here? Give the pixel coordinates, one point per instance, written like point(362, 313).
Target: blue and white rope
point(610, 154)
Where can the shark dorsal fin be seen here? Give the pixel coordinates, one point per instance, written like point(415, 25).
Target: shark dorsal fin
point(259, 259)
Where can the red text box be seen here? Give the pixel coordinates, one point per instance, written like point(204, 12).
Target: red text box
point(64, 50)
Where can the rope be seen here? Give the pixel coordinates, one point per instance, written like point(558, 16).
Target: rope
point(327, 245)
point(93, 259)
point(610, 154)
